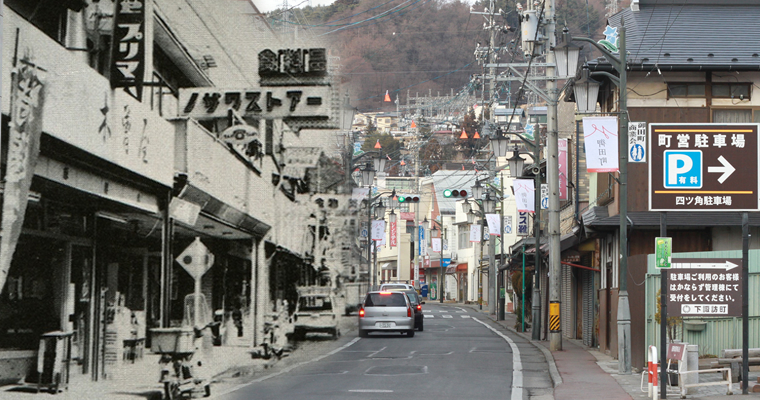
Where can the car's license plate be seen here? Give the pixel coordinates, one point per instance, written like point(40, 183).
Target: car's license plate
point(385, 324)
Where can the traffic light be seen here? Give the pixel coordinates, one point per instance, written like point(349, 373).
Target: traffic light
point(455, 193)
point(408, 198)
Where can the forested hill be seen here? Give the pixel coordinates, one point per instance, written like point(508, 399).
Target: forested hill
point(417, 46)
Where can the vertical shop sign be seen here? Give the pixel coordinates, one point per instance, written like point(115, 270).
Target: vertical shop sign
point(563, 170)
point(27, 95)
point(128, 48)
point(393, 234)
point(522, 224)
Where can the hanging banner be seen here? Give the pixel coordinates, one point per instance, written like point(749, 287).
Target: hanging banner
point(601, 138)
point(393, 232)
point(422, 244)
point(522, 224)
point(563, 168)
point(407, 216)
point(27, 96)
point(508, 225)
point(475, 233)
point(378, 229)
point(436, 244)
point(637, 142)
point(128, 47)
point(525, 194)
point(494, 226)
point(359, 194)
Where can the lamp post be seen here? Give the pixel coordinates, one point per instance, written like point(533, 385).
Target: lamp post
point(423, 242)
point(619, 64)
point(488, 208)
point(368, 176)
point(499, 147)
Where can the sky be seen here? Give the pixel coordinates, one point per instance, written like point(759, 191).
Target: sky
point(269, 5)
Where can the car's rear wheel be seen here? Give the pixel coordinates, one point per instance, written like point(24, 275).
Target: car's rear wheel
point(421, 326)
point(410, 333)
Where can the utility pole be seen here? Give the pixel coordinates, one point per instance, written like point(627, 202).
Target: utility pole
point(552, 175)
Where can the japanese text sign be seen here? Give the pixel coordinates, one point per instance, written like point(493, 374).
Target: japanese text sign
point(676, 351)
point(494, 227)
point(274, 102)
point(475, 233)
point(663, 248)
point(637, 142)
point(600, 135)
point(544, 196)
point(508, 225)
point(522, 224)
point(128, 49)
point(525, 194)
point(706, 287)
point(423, 244)
point(393, 233)
point(703, 167)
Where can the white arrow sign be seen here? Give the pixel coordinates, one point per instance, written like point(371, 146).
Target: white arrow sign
point(727, 265)
point(727, 169)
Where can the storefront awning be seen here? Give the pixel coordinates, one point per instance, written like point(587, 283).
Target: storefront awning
point(389, 266)
point(218, 210)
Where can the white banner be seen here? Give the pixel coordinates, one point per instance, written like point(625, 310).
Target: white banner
point(601, 139)
point(637, 142)
point(475, 233)
point(544, 196)
point(508, 225)
point(494, 227)
point(436, 244)
point(525, 194)
point(359, 194)
point(378, 229)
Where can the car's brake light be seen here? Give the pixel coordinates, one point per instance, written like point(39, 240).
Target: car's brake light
point(409, 311)
point(361, 313)
point(419, 307)
point(384, 293)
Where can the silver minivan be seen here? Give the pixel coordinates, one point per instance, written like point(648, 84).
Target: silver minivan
point(384, 311)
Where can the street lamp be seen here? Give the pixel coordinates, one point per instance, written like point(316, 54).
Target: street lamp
point(586, 91)
point(380, 210)
point(368, 175)
point(477, 190)
point(516, 163)
point(619, 63)
point(566, 56)
point(499, 144)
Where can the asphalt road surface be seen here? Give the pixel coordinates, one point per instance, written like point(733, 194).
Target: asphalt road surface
point(460, 354)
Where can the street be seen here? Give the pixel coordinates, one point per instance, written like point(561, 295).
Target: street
point(461, 353)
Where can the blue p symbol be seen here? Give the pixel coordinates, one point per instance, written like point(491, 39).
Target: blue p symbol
point(683, 169)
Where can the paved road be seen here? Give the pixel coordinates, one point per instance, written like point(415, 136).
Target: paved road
point(460, 354)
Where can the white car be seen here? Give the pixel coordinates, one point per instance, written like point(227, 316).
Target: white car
point(315, 312)
point(395, 286)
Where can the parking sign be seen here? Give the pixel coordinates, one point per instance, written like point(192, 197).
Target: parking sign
point(704, 167)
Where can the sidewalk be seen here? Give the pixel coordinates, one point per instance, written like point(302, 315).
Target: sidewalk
point(583, 372)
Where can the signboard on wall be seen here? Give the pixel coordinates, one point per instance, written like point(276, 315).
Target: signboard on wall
point(128, 49)
point(705, 287)
point(270, 103)
point(704, 167)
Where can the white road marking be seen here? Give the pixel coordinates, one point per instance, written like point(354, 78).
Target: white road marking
point(370, 391)
point(465, 316)
point(428, 316)
point(284, 370)
point(447, 316)
point(517, 374)
point(443, 311)
point(427, 311)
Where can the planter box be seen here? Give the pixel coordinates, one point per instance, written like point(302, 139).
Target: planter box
point(172, 340)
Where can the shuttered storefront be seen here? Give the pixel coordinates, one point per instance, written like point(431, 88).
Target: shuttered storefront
point(568, 314)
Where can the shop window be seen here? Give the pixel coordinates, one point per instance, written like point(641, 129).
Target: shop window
point(49, 16)
point(683, 90)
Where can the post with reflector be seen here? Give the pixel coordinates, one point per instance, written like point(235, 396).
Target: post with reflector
point(196, 259)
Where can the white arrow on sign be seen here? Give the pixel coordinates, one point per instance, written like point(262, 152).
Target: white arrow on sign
point(727, 169)
point(727, 265)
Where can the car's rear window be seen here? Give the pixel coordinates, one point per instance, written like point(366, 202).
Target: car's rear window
point(385, 300)
point(389, 287)
point(314, 303)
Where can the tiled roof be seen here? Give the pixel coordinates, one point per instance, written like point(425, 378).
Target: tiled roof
point(688, 35)
point(651, 220)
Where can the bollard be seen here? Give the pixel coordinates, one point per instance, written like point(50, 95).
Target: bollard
point(652, 369)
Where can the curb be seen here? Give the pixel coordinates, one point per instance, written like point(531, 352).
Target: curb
point(553, 371)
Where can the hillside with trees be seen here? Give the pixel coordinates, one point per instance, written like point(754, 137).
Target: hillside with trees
point(422, 46)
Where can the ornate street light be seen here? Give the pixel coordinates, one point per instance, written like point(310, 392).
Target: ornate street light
point(392, 216)
point(499, 144)
point(488, 204)
point(425, 224)
point(566, 55)
point(477, 191)
point(586, 92)
point(379, 210)
point(516, 163)
point(466, 207)
point(379, 163)
point(368, 175)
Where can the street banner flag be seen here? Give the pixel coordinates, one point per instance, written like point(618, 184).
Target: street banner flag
point(463, 135)
point(414, 125)
point(525, 195)
point(359, 194)
point(475, 233)
point(436, 244)
point(387, 96)
point(377, 144)
point(601, 138)
point(494, 227)
point(393, 230)
point(378, 230)
point(476, 135)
